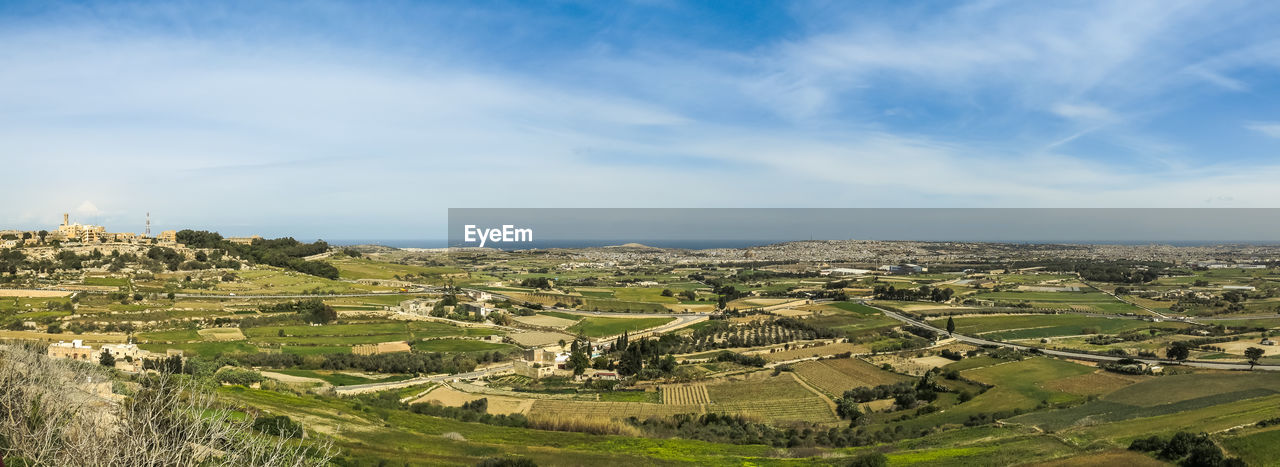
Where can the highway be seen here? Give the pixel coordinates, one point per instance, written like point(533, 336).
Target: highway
point(1074, 355)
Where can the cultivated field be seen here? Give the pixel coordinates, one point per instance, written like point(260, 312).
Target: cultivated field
point(538, 339)
point(601, 327)
point(1041, 326)
point(835, 376)
point(815, 351)
point(607, 410)
point(773, 399)
point(685, 394)
point(543, 320)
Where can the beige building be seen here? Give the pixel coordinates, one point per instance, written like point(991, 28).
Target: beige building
point(244, 240)
point(168, 236)
point(380, 348)
point(126, 351)
point(539, 363)
point(533, 369)
point(74, 350)
point(84, 233)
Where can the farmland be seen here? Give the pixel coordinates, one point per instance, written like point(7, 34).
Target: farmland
point(326, 339)
point(1040, 326)
point(353, 268)
point(1086, 300)
point(685, 394)
point(835, 376)
point(777, 398)
point(601, 327)
point(784, 371)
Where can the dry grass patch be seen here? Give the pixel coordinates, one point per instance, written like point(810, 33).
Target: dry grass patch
point(1118, 457)
point(450, 397)
point(607, 410)
point(221, 334)
point(538, 339)
point(545, 321)
point(818, 350)
point(33, 293)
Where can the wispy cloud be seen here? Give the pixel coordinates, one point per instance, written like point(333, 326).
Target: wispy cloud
point(276, 129)
point(1271, 129)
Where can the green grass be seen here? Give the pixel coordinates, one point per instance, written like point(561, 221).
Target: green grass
point(315, 349)
point(177, 335)
point(363, 268)
point(272, 281)
point(29, 305)
point(600, 326)
point(642, 294)
point(595, 304)
point(460, 345)
point(1086, 300)
point(1037, 326)
point(298, 336)
point(857, 308)
point(631, 396)
point(1260, 448)
point(340, 379)
point(372, 434)
point(107, 281)
point(203, 349)
point(561, 315)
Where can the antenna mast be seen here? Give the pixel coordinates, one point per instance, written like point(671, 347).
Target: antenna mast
point(148, 234)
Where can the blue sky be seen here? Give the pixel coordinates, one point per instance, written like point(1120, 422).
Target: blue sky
point(367, 120)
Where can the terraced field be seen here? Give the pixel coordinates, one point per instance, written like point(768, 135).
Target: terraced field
point(835, 376)
point(685, 394)
point(1039, 326)
point(773, 399)
point(608, 410)
point(819, 351)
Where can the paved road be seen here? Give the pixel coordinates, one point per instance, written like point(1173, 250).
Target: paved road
point(426, 379)
point(1075, 355)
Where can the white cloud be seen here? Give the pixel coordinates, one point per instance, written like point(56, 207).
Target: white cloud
point(290, 137)
point(1271, 129)
point(1083, 111)
point(87, 209)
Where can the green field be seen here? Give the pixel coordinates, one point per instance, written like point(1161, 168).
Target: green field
point(460, 345)
point(561, 315)
point(1039, 326)
point(107, 281)
point(1259, 448)
point(600, 327)
point(339, 379)
point(363, 268)
point(1086, 299)
point(325, 339)
point(1168, 395)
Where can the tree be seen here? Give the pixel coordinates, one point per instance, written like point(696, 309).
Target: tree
point(874, 459)
point(578, 359)
point(951, 325)
point(106, 359)
point(1253, 354)
point(1178, 351)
